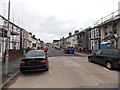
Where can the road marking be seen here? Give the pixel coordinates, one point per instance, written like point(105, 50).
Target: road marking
point(106, 69)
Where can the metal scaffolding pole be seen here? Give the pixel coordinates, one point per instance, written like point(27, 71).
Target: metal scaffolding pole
point(7, 42)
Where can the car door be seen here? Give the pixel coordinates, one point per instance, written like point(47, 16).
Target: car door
point(97, 56)
point(103, 57)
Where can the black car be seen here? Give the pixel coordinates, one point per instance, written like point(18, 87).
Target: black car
point(35, 60)
point(108, 57)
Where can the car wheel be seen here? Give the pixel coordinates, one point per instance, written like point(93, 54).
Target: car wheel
point(109, 65)
point(89, 59)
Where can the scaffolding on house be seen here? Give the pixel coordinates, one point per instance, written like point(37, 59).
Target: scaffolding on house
point(14, 43)
point(111, 18)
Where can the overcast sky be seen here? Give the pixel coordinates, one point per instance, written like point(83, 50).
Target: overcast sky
point(52, 19)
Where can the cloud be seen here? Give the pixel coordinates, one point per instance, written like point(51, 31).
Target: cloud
point(52, 25)
point(48, 19)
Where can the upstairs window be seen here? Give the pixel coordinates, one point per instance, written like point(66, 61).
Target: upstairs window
point(114, 28)
point(105, 30)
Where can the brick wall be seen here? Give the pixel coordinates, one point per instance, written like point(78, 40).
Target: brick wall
point(14, 54)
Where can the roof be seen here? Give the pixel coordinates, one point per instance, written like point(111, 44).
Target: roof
point(107, 19)
point(105, 42)
point(56, 40)
point(10, 21)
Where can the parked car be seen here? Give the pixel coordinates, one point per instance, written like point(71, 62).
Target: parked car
point(108, 57)
point(57, 47)
point(66, 50)
point(45, 48)
point(35, 60)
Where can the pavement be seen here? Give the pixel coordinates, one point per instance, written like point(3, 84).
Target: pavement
point(12, 69)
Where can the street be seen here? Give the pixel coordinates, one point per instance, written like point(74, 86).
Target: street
point(69, 72)
point(59, 44)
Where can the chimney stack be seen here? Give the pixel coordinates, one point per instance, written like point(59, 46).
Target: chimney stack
point(33, 36)
point(76, 32)
point(70, 34)
point(30, 33)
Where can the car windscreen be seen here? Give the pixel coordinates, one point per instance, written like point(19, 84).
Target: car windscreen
point(35, 54)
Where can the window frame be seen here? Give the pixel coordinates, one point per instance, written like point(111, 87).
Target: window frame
point(99, 51)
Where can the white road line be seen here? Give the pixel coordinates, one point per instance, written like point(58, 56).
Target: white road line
point(106, 69)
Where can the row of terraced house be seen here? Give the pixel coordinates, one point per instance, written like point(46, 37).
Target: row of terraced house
point(19, 39)
point(105, 30)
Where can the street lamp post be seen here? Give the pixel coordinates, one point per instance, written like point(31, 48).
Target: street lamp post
point(7, 41)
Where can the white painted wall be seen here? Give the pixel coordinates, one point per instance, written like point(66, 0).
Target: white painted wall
point(95, 43)
point(34, 41)
point(38, 43)
point(2, 47)
point(30, 41)
point(1, 22)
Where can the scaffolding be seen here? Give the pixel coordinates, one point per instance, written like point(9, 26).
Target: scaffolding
point(111, 17)
point(14, 43)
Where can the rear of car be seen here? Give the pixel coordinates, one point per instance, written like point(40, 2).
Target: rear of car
point(58, 48)
point(115, 58)
point(45, 48)
point(34, 61)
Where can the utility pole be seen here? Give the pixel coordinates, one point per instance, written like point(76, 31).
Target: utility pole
point(3, 38)
point(7, 41)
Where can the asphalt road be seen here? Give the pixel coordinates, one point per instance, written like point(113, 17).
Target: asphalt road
point(56, 53)
point(69, 72)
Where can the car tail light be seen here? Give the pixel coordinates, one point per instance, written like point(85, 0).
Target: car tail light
point(43, 62)
point(22, 63)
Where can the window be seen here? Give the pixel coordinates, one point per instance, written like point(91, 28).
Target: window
point(105, 52)
point(98, 52)
point(0, 47)
point(105, 30)
point(114, 27)
point(35, 54)
point(34, 45)
point(113, 53)
point(105, 33)
point(99, 32)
